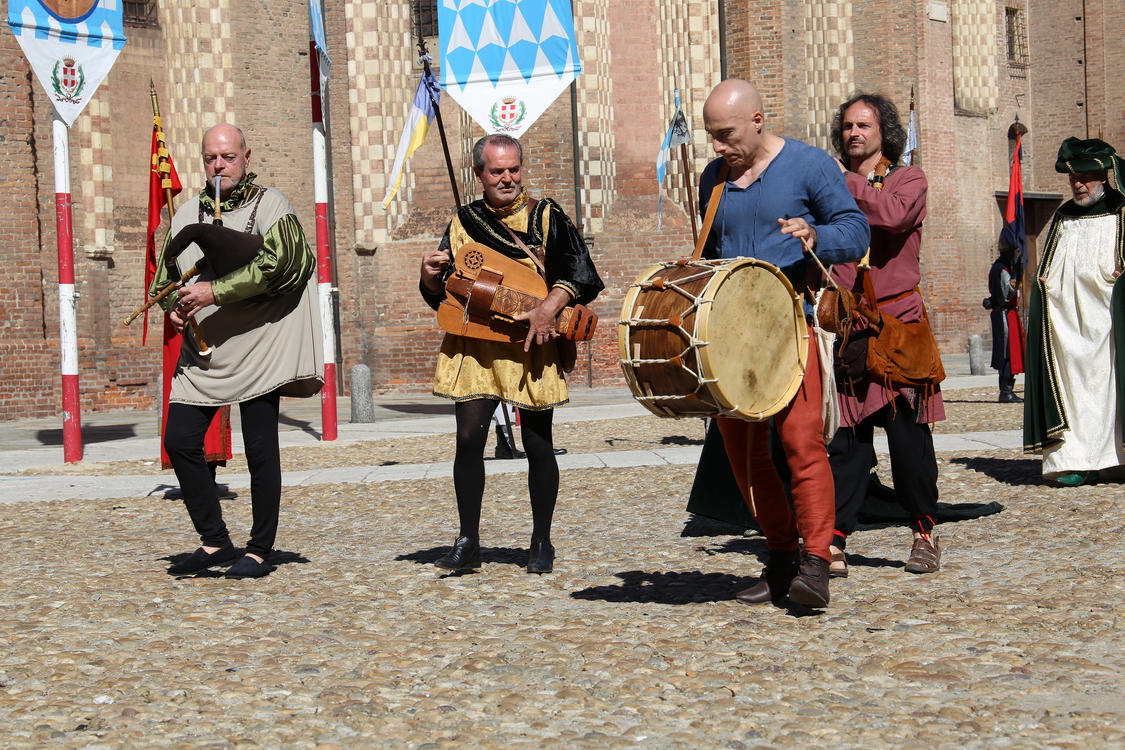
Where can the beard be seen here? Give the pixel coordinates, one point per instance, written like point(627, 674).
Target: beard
point(1092, 197)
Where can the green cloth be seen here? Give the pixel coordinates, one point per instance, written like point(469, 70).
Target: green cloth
point(1044, 419)
point(283, 265)
point(1090, 155)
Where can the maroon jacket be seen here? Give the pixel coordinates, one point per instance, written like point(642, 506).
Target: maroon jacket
point(895, 214)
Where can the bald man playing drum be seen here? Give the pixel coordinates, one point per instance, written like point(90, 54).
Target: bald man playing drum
point(782, 198)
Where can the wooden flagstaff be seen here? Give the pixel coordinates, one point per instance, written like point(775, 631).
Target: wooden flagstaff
point(165, 182)
point(425, 57)
point(689, 182)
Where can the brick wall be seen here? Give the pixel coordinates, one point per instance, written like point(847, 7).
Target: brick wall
point(623, 102)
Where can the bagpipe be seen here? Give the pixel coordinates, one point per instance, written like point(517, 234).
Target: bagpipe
point(487, 290)
point(224, 251)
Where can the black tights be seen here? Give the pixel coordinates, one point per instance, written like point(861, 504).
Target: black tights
point(473, 421)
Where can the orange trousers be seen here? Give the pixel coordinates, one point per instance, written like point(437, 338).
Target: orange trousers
point(801, 429)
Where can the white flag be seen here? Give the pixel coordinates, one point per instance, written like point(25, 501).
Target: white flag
point(911, 141)
point(71, 46)
point(506, 61)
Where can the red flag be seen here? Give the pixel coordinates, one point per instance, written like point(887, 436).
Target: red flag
point(162, 177)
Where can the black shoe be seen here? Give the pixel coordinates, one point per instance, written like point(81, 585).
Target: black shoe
point(248, 567)
point(506, 445)
point(225, 493)
point(200, 560)
point(542, 557)
point(465, 553)
point(1009, 398)
point(560, 451)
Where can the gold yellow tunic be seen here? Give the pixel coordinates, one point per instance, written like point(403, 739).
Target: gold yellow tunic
point(474, 368)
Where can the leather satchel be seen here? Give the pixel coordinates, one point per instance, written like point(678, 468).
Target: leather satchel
point(899, 355)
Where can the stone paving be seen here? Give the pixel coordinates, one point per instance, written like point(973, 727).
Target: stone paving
point(358, 641)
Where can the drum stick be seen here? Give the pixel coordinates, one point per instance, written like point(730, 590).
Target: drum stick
point(809, 250)
point(750, 427)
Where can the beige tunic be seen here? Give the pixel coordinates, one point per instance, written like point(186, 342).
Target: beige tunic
point(258, 344)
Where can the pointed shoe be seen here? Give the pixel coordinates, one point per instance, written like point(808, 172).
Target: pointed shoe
point(542, 557)
point(776, 578)
point(810, 587)
point(1077, 479)
point(200, 560)
point(248, 567)
point(465, 553)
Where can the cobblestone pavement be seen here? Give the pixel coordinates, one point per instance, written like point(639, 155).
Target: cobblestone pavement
point(357, 640)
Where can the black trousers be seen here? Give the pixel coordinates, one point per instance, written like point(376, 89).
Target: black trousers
point(183, 440)
point(913, 464)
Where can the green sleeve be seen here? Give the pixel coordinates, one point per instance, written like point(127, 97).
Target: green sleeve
point(163, 278)
point(283, 265)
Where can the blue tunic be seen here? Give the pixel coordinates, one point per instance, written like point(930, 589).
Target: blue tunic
point(801, 182)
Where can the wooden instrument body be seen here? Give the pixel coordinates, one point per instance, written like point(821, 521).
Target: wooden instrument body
point(487, 290)
point(713, 338)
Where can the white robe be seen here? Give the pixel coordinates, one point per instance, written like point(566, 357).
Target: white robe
point(1079, 289)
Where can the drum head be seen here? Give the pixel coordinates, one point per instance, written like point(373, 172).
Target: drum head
point(758, 339)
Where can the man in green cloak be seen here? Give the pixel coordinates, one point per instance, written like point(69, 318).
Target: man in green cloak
point(1076, 324)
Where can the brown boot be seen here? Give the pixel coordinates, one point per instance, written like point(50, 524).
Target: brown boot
point(776, 577)
point(810, 587)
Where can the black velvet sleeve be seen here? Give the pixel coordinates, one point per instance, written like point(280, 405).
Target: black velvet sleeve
point(568, 260)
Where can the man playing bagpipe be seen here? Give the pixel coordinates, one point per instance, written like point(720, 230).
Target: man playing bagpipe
point(246, 276)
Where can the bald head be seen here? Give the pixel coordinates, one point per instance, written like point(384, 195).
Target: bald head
point(733, 118)
point(225, 155)
point(734, 96)
point(226, 130)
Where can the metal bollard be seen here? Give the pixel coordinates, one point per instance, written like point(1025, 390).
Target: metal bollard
point(976, 355)
point(363, 408)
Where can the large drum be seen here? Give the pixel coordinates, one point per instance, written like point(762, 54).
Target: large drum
point(713, 338)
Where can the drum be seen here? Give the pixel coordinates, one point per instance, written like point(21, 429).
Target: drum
point(713, 338)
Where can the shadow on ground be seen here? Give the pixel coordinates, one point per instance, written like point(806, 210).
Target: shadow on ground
point(676, 588)
point(500, 555)
point(277, 558)
point(1016, 472)
point(91, 434)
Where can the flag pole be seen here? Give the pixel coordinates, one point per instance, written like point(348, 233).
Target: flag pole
point(425, 56)
point(912, 119)
point(68, 315)
point(328, 418)
point(165, 182)
point(689, 182)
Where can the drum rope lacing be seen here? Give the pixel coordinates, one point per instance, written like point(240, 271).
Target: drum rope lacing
point(693, 343)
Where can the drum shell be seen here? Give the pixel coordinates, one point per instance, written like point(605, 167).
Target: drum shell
point(722, 338)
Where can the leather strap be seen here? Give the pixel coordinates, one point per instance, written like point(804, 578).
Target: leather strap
point(712, 207)
point(525, 248)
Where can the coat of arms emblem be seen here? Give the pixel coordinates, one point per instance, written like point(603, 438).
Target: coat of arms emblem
point(68, 80)
point(507, 114)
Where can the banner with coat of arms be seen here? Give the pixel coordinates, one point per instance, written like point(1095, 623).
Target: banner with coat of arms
point(71, 45)
point(506, 61)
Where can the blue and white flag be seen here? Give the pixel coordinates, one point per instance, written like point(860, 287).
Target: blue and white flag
point(911, 139)
point(677, 134)
point(319, 41)
point(71, 45)
point(417, 125)
point(506, 61)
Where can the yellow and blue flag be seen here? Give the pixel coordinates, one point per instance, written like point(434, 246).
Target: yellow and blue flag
point(414, 132)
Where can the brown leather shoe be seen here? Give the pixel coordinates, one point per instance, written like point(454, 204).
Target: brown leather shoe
point(810, 587)
point(776, 577)
point(925, 555)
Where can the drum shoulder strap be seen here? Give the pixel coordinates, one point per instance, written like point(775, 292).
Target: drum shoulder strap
point(712, 207)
